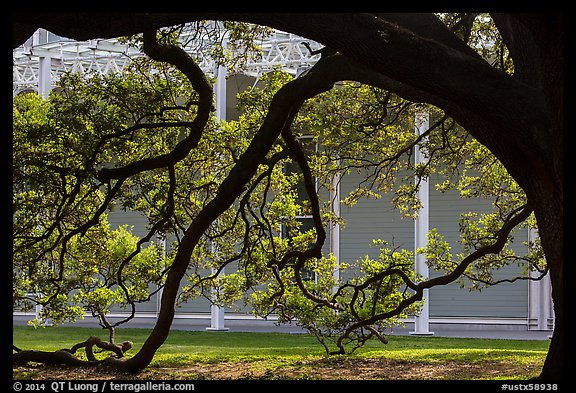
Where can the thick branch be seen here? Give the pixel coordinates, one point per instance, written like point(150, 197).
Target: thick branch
point(283, 108)
point(46, 357)
point(67, 357)
point(395, 45)
point(184, 63)
point(92, 341)
point(497, 109)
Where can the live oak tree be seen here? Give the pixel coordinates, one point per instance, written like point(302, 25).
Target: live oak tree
point(66, 258)
point(510, 103)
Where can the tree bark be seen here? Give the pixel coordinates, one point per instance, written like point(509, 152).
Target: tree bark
point(67, 357)
point(536, 46)
point(549, 215)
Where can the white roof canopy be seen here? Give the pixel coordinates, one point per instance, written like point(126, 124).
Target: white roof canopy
point(279, 50)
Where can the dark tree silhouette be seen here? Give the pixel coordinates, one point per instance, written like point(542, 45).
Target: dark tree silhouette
point(518, 117)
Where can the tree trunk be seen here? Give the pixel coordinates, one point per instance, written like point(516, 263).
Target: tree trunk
point(553, 368)
point(550, 223)
point(546, 187)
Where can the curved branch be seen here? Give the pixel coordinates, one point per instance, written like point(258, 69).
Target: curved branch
point(176, 56)
point(67, 357)
point(282, 110)
point(297, 153)
point(118, 349)
point(514, 218)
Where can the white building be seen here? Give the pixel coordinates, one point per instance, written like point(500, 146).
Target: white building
point(524, 304)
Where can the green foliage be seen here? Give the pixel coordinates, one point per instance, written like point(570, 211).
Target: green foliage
point(258, 252)
point(66, 257)
point(368, 132)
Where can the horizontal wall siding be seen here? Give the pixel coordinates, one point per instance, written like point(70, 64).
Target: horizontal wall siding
point(375, 218)
point(367, 220)
point(502, 300)
point(119, 217)
point(138, 223)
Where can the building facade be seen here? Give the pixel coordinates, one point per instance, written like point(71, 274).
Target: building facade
point(523, 304)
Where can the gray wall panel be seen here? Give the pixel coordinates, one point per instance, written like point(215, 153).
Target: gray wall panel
point(503, 300)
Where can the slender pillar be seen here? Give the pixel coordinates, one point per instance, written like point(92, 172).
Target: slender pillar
point(216, 312)
point(220, 92)
point(44, 76)
point(44, 87)
point(421, 322)
point(335, 226)
point(540, 309)
point(216, 319)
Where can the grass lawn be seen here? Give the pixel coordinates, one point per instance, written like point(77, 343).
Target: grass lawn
point(235, 355)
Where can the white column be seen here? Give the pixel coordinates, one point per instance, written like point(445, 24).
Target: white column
point(335, 226)
point(216, 318)
point(216, 312)
point(38, 309)
point(44, 76)
point(540, 308)
point(421, 322)
point(161, 241)
point(220, 92)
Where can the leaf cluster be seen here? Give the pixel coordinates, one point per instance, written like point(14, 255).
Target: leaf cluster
point(266, 249)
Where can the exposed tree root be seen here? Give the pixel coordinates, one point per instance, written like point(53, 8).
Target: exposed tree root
point(68, 357)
